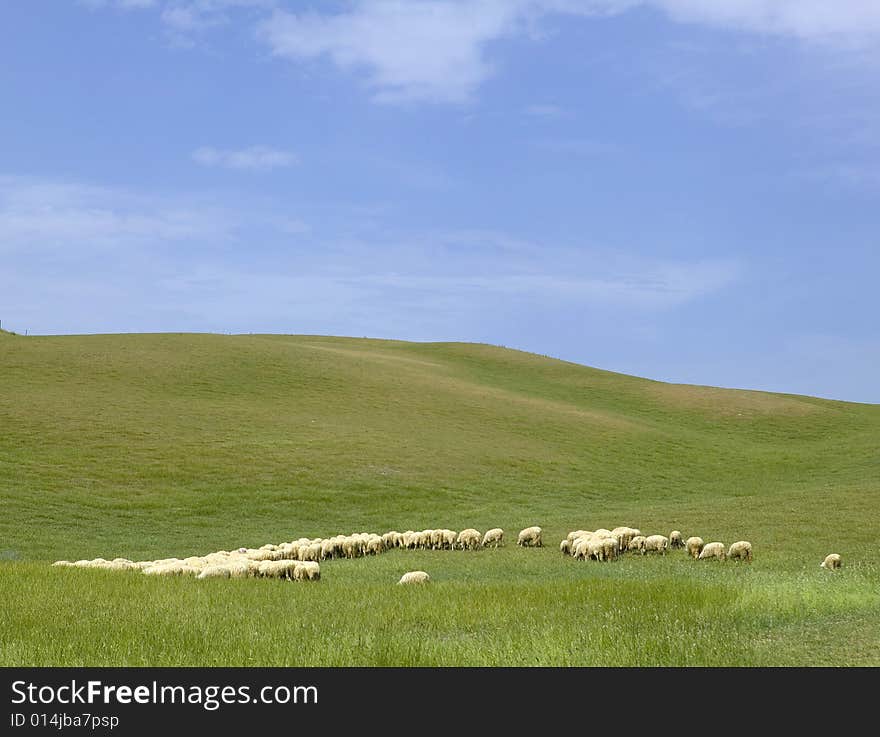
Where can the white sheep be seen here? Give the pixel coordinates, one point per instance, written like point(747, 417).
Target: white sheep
point(694, 546)
point(637, 544)
point(565, 546)
point(577, 533)
point(656, 543)
point(469, 539)
point(414, 577)
point(278, 568)
point(675, 540)
point(307, 571)
point(624, 535)
point(605, 548)
point(493, 537)
point(712, 550)
point(581, 548)
point(530, 537)
point(218, 571)
point(171, 569)
point(832, 562)
point(447, 539)
point(740, 550)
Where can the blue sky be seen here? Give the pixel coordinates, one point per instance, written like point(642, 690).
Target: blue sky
point(687, 190)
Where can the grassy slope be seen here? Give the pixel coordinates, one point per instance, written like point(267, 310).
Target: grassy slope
point(157, 445)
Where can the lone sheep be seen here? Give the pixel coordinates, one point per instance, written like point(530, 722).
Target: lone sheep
point(414, 577)
point(832, 562)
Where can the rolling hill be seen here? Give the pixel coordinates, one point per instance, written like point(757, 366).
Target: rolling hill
point(152, 445)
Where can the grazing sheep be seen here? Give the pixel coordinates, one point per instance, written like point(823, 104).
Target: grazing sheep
point(310, 571)
point(63, 564)
point(694, 546)
point(713, 550)
point(493, 537)
point(264, 554)
point(170, 569)
point(675, 540)
point(594, 549)
point(741, 550)
point(607, 547)
point(637, 544)
point(214, 572)
point(328, 549)
point(624, 535)
point(530, 537)
point(578, 535)
point(832, 562)
point(565, 547)
point(469, 539)
point(414, 577)
point(656, 543)
point(311, 553)
point(284, 569)
point(120, 565)
point(581, 548)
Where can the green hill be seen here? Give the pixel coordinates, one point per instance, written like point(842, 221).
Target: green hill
point(157, 445)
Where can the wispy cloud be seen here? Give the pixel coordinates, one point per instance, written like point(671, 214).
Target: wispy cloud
point(843, 21)
point(440, 50)
point(187, 21)
point(41, 216)
point(427, 51)
point(177, 263)
point(256, 158)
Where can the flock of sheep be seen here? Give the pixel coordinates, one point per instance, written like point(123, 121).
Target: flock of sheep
point(290, 561)
point(606, 545)
point(299, 560)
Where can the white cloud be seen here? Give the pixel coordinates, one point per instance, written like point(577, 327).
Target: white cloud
point(818, 20)
point(56, 217)
point(184, 19)
point(257, 158)
point(439, 50)
point(429, 51)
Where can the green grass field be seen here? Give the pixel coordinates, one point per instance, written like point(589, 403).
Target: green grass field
point(157, 445)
